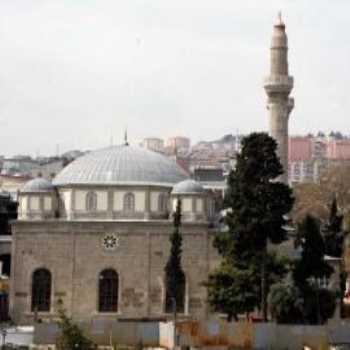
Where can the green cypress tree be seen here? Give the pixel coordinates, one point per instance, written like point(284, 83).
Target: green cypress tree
point(174, 274)
point(312, 264)
point(256, 206)
point(333, 233)
point(318, 302)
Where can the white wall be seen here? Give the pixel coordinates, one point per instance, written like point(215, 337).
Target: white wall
point(187, 204)
point(80, 200)
point(34, 203)
point(102, 200)
point(118, 200)
point(66, 198)
point(47, 203)
point(199, 205)
point(140, 201)
point(24, 204)
point(154, 200)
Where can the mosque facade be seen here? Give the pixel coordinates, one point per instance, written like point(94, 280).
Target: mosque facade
point(96, 238)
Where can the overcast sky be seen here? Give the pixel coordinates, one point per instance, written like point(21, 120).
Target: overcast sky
point(77, 72)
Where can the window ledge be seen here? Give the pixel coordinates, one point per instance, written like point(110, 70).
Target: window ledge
point(105, 313)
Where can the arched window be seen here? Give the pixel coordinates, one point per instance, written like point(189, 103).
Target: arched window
point(41, 290)
point(5, 260)
point(129, 202)
point(108, 291)
point(91, 201)
point(180, 301)
point(162, 202)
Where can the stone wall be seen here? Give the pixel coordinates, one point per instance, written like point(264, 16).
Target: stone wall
point(212, 334)
point(74, 254)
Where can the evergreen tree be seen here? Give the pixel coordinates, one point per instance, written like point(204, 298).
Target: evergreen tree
point(333, 233)
point(334, 237)
point(319, 303)
point(174, 275)
point(233, 290)
point(286, 302)
point(256, 206)
point(312, 264)
point(72, 336)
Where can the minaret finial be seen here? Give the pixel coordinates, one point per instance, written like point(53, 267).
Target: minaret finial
point(126, 137)
point(279, 19)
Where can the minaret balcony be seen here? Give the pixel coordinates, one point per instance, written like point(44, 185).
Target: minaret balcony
point(278, 83)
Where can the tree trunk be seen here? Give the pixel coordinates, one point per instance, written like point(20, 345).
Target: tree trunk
point(263, 284)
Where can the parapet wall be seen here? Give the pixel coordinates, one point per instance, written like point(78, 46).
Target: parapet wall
point(212, 334)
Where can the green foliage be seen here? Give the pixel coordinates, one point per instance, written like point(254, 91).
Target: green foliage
point(286, 302)
point(71, 337)
point(256, 203)
point(312, 263)
point(174, 275)
point(256, 207)
point(292, 304)
point(232, 290)
point(300, 299)
point(319, 304)
point(333, 233)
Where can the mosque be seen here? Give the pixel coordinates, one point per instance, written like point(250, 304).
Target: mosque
point(97, 236)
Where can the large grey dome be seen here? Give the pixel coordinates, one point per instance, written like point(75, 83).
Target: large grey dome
point(37, 185)
point(121, 165)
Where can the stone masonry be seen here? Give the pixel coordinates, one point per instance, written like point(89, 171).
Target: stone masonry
point(278, 86)
point(72, 251)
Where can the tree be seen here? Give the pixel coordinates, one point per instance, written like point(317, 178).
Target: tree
point(71, 337)
point(334, 237)
point(235, 287)
point(256, 206)
point(319, 303)
point(291, 304)
point(233, 290)
point(314, 199)
point(286, 302)
point(174, 275)
point(312, 264)
point(333, 233)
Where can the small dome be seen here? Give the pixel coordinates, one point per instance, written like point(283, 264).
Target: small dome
point(188, 187)
point(121, 165)
point(37, 185)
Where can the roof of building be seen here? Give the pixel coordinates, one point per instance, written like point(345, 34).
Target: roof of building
point(209, 174)
point(121, 165)
point(188, 187)
point(38, 184)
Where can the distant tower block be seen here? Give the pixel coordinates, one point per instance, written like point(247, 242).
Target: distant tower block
point(278, 87)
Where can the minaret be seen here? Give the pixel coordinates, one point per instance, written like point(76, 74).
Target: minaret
point(278, 87)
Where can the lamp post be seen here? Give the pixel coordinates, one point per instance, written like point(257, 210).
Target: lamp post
point(3, 336)
point(175, 315)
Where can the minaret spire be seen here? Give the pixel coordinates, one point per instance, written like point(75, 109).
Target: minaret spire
point(126, 143)
point(279, 16)
point(278, 86)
